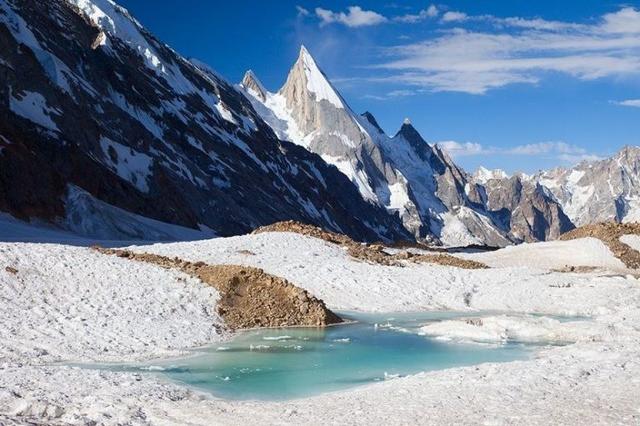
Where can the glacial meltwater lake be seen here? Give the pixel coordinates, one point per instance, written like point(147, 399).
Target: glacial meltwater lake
point(280, 364)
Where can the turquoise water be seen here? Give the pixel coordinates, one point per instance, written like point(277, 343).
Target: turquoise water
point(279, 364)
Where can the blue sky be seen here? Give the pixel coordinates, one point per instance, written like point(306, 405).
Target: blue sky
point(520, 85)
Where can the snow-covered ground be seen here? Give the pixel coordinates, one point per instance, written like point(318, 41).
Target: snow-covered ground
point(551, 255)
point(73, 304)
point(632, 241)
point(327, 271)
point(63, 303)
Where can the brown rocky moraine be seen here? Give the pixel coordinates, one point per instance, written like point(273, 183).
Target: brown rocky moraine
point(249, 297)
point(371, 253)
point(610, 233)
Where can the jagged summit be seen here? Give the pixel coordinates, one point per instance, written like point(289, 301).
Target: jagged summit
point(408, 132)
point(403, 173)
point(251, 82)
point(482, 175)
point(629, 151)
point(372, 120)
point(306, 76)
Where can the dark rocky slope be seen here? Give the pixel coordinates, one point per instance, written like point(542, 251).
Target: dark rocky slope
point(91, 99)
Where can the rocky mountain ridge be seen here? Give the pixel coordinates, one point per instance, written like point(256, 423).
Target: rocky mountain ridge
point(436, 199)
point(109, 133)
point(94, 104)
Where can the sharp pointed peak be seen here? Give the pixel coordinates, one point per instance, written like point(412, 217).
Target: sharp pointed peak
point(252, 84)
point(411, 135)
point(306, 71)
point(372, 120)
point(408, 131)
point(483, 174)
point(307, 59)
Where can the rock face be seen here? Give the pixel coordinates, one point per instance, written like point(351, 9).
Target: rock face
point(550, 203)
point(93, 101)
point(524, 208)
point(598, 191)
point(436, 199)
point(403, 173)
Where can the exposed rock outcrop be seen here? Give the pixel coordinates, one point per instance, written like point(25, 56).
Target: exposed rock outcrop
point(404, 174)
point(372, 253)
point(598, 191)
point(610, 233)
point(524, 208)
point(249, 296)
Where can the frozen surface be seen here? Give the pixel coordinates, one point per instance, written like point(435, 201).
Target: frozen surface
point(522, 329)
point(72, 303)
point(632, 241)
point(552, 255)
point(67, 303)
point(327, 271)
point(90, 221)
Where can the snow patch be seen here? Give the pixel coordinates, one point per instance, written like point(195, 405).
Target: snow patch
point(508, 328)
point(317, 82)
point(129, 164)
point(33, 106)
point(551, 255)
point(632, 241)
point(358, 177)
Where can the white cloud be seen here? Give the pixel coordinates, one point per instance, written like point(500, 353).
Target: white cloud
point(519, 50)
point(458, 149)
point(430, 12)
point(391, 95)
point(302, 11)
point(453, 16)
point(629, 103)
point(563, 151)
point(535, 24)
point(355, 17)
point(546, 148)
point(624, 21)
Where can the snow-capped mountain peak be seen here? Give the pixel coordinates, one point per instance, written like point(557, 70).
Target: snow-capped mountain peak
point(402, 173)
point(483, 175)
point(597, 191)
point(314, 79)
point(408, 131)
point(251, 83)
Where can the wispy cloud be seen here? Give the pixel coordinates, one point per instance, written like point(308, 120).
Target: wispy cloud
point(453, 16)
point(518, 50)
point(392, 94)
point(302, 11)
point(355, 17)
point(563, 151)
point(462, 149)
point(629, 103)
point(430, 12)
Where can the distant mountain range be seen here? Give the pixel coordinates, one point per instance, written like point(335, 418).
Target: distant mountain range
point(106, 131)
